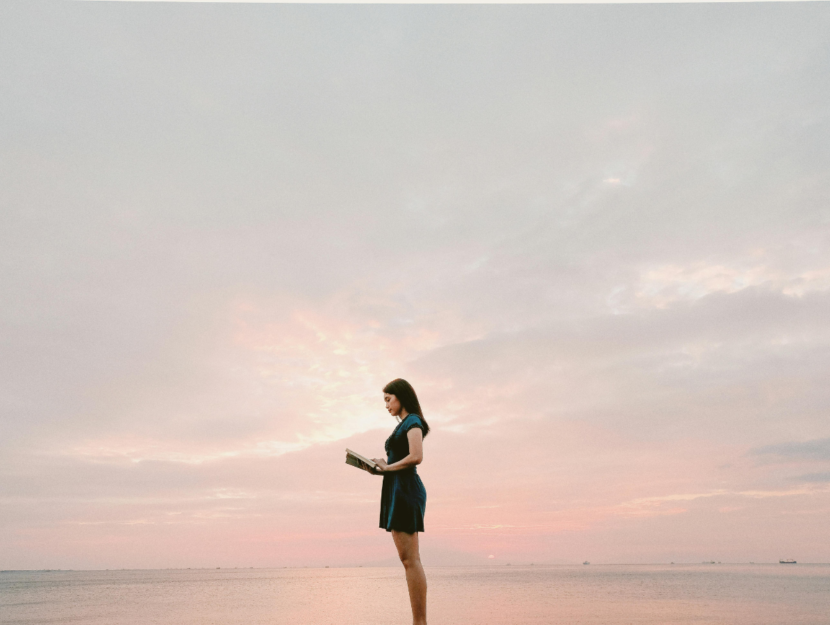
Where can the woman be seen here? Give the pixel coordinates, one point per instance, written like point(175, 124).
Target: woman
point(403, 498)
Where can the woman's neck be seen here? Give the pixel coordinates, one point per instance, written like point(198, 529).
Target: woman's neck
point(404, 414)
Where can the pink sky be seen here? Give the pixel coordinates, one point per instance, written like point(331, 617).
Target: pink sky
point(602, 261)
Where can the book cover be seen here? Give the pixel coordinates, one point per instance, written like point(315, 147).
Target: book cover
point(356, 460)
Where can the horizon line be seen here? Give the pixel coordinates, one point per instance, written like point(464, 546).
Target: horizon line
point(379, 566)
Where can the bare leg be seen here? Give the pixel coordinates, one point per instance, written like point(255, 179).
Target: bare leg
point(407, 545)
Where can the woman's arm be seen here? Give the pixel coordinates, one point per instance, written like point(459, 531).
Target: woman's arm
point(415, 436)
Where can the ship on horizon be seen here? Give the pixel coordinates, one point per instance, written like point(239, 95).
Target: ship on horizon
point(787, 562)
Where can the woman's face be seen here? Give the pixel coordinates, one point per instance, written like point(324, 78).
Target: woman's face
point(392, 404)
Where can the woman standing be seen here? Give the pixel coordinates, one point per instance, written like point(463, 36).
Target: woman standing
point(403, 498)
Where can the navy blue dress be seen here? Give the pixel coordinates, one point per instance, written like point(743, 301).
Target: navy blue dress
point(403, 499)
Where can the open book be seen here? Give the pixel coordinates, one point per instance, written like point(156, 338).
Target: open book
point(356, 460)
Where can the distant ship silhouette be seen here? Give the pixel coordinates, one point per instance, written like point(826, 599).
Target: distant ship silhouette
point(787, 562)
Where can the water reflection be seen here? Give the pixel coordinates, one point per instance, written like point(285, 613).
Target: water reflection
point(497, 595)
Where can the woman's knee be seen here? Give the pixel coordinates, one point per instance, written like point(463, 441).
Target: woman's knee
point(409, 560)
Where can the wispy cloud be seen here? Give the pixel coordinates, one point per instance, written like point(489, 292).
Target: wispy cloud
point(815, 449)
point(661, 286)
point(819, 478)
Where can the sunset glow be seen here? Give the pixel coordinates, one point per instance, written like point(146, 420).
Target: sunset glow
point(602, 261)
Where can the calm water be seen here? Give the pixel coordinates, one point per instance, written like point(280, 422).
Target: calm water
point(609, 595)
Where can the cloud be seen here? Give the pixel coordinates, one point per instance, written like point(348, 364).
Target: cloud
point(819, 478)
point(599, 250)
point(690, 361)
point(663, 285)
point(815, 449)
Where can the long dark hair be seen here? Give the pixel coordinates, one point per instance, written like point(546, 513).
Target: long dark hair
point(403, 390)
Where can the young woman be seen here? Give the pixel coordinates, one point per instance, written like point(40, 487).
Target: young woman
point(403, 498)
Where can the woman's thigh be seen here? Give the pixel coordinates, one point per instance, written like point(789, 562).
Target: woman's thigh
point(407, 545)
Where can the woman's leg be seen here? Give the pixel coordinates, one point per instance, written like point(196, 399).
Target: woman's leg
point(407, 545)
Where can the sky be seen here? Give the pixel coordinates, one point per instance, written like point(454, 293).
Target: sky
point(596, 240)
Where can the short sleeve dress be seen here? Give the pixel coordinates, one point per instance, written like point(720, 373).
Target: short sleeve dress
point(403, 498)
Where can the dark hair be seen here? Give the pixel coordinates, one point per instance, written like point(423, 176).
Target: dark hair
point(409, 400)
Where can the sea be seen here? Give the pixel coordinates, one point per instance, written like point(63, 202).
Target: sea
point(722, 594)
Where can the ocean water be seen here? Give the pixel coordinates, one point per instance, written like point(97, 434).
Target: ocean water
point(770, 594)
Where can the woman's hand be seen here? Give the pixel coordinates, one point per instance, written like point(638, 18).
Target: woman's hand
point(382, 466)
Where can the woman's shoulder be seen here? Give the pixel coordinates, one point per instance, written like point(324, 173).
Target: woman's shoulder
point(412, 421)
